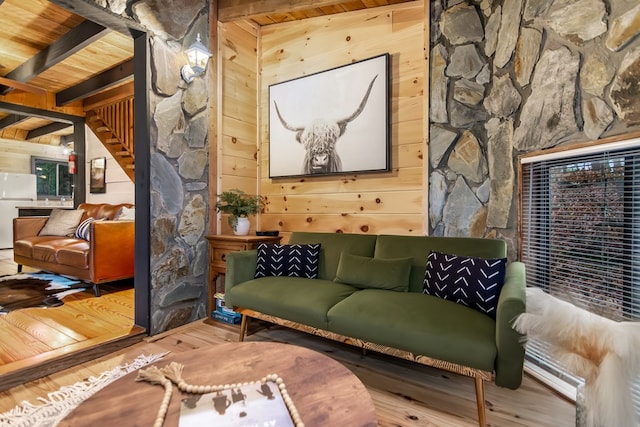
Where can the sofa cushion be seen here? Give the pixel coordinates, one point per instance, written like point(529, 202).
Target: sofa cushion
point(288, 260)
point(293, 298)
point(474, 282)
point(102, 210)
point(62, 222)
point(48, 250)
point(420, 324)
point(335, 243)
point(24, 247)
point(74, 254)
point(365, 272)
point(418, 247)
point(126, 214)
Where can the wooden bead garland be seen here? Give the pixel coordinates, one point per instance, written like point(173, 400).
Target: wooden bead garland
point(155, 376)
point(172, 373)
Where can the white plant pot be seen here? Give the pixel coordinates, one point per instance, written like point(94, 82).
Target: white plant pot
point(242, 226)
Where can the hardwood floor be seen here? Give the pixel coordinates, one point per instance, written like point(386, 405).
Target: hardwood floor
point(89, 335)
point(35, 342)
point(7, 266)
point(404, 393)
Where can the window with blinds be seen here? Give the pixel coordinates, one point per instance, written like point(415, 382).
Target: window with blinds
point(580, 233)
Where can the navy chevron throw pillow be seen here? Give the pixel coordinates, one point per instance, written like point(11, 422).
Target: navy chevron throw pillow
point(474, 282)
point(288, 260)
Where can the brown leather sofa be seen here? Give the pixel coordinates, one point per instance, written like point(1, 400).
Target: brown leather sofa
point(107, 256)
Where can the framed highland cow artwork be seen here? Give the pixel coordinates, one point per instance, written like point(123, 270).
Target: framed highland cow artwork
point(333, 122)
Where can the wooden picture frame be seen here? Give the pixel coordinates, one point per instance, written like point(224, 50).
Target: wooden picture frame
point(97, 175)
point(333, 122)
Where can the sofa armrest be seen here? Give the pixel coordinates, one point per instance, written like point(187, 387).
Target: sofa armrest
point(112, 249)
point(240, 267)
point(510, 359)
point(28, 226)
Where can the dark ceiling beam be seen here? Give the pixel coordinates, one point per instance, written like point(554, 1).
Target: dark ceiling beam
point(102, 81)
point(68, 44)
point(38, 112)
point(47, 129)
point(109, 96)
point(92, 12)
point(12, 120)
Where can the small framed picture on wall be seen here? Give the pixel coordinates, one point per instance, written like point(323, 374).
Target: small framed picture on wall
point(97, 170)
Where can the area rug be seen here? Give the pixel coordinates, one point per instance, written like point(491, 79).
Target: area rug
point(26, 290)
point(60, 403)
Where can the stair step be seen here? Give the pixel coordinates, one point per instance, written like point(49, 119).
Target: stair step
point(95, 119)
point(103, 129)
point(123, 153)
point(131, 166)
point(112, 141)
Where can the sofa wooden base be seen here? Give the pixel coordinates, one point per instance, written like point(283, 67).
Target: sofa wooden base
point(478, 375)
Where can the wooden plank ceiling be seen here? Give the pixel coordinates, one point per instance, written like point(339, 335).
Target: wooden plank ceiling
point(54, 60)
point(276, 11)
point(51, 60)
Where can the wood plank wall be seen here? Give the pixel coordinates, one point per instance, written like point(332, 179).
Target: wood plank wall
point(15, 156)
point(373, 203)
point(237, 148)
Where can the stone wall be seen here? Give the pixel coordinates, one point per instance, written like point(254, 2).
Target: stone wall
point(513, 76)
point(179, 159)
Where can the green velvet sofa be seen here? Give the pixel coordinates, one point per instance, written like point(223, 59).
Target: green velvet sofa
point(406, 324)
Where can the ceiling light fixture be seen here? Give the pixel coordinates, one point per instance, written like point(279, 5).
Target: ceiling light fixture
point(198, 56)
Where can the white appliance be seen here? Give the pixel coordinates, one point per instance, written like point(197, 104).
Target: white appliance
point(15, 189)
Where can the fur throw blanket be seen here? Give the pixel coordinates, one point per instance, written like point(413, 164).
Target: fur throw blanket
point(603, 352)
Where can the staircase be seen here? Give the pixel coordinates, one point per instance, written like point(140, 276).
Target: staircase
point(113, 125)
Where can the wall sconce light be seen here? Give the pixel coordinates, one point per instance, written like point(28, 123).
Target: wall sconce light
point(198, 56)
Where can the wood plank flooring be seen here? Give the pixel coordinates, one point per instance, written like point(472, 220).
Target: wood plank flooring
point(404, 393)
point(69, 347)
point(37, 341)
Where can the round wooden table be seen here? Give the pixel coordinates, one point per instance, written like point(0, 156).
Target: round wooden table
point(324, 392)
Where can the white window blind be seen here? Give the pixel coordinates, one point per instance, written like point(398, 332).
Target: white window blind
point(580, 234)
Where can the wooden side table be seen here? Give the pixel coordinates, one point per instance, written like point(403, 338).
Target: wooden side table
point(219, 246)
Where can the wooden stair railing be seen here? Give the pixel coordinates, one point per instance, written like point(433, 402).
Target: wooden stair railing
point(113, 125)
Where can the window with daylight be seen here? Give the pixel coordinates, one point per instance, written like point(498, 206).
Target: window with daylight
point(53, 179)
point(580, 233)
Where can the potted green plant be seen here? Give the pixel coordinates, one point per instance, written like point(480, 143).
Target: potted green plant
point(239, 205)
